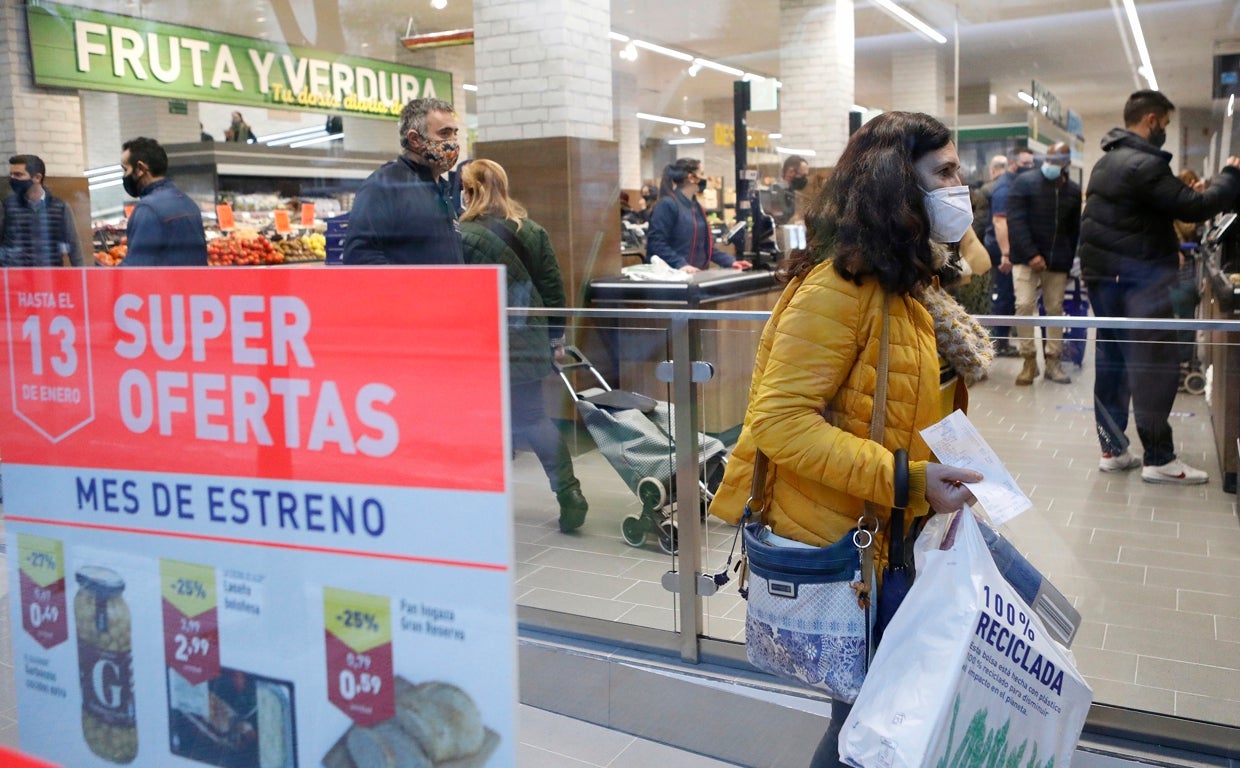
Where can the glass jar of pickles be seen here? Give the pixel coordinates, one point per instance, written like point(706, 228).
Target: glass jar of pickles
point(105, 664)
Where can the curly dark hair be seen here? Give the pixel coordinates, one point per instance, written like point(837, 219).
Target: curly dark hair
point(870, 218)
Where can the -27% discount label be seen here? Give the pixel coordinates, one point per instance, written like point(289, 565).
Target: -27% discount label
point(358, 628)
point(191, 620)
point(42, 572)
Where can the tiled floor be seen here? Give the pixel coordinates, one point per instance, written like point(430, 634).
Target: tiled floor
point(1155, 570)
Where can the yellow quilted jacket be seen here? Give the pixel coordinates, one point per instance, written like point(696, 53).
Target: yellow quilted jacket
point(810, 404)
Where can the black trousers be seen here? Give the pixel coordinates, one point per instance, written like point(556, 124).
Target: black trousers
point(828, 753)
point(1135, 366)
point(532, 428)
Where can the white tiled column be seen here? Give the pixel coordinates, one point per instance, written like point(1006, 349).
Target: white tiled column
point(543, 68)
point(35, 120)
point(816, 55)
point(627, 130)
point(919, 80)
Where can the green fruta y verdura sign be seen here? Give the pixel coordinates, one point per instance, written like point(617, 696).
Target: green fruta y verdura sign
point(77, 48)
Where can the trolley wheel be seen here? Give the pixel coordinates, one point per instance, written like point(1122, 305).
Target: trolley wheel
point(633, 528)
point(651, 493)
point(669, 537)
point(1195, 383)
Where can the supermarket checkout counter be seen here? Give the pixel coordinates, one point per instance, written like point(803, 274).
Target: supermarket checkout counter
point(709, 289)
point(1220, 249)
point(634, 347)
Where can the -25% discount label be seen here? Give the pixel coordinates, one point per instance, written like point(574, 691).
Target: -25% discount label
point(42, 572)
point(358, 629)
point(50, 342)
point(191, 620)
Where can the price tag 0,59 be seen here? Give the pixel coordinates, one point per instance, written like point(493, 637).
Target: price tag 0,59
point(50, 369)
point(42, 572)
point(191, 620)
point(358, 631)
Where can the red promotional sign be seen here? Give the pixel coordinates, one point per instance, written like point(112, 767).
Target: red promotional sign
point(49, 341)
point(199, 372)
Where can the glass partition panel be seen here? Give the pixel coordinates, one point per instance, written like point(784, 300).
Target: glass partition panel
point(1153, 568)
point(612, 414)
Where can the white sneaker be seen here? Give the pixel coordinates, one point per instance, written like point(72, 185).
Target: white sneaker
point(1118, 463)
point(1175, 472)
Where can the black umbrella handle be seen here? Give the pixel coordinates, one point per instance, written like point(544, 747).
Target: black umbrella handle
point(895, 541)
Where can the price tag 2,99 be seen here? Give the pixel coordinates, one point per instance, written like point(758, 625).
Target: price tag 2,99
point(42, 574)
point(191, 620)
point(50, 341)
point(358, 630)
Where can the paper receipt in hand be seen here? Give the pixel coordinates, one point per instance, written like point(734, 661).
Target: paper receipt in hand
point(955, 441)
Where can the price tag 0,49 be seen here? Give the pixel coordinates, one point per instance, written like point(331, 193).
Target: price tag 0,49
point(358, 630)
point(42, 572)
point(50, 342)
point(191, 620)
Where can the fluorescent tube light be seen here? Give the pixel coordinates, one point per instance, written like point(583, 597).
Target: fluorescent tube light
point(665, 51)
point(659, 118)
point(724, 68)
point(1131, 9)
point(469, 87)
point(914, 23)
point(791, 151)
point(687, 141)
point(102, 170)
point(1231, 103)
point(618, 36)
point(694, 124)
point(1026, 98)
point(316, 140)
point(104, 184)
point(292, 135)
point(774, 135)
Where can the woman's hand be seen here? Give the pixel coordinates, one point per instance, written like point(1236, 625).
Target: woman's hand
point(945, 489)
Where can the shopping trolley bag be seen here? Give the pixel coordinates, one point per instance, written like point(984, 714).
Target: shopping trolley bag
point(967, 675)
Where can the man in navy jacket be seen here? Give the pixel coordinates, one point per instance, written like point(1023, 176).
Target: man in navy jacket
point(403, 213)
point(1043, 222)
point(1130, 260)
point(165, 228)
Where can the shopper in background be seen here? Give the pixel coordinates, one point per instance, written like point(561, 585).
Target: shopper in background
point(1129, 261)
point(679, 233)
point(820, 349)
point(1189, 231)
point(403, 213)
point(793, 179)
point(495, 229)
point(1019, 160)
point(981, 200)
point(165, 228)
point(1043, 225)
point(239, 130)
point(37, 229)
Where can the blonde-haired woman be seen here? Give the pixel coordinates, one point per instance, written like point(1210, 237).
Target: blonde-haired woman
point(496, 229)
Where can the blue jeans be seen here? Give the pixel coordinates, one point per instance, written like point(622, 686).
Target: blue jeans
point(1003, 294)
point(1137, 366)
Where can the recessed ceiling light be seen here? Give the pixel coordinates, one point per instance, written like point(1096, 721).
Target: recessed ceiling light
point(439, 5)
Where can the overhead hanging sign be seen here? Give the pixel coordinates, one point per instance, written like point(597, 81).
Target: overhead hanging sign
point(78, 48)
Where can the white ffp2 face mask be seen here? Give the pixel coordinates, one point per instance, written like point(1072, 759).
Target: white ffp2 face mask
point(950, 212)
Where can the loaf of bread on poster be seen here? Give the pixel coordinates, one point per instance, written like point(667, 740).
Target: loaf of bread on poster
point(436, 724)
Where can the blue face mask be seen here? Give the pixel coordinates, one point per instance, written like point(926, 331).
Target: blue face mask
point(1050, 171)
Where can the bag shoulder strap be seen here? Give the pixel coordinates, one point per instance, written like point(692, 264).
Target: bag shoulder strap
point(756, 504)
point(512, 241)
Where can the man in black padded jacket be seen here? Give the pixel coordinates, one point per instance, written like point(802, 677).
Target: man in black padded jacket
point(1129, 259)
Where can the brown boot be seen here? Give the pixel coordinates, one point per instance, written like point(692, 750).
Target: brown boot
point(1055, 373)
point(1028, 373)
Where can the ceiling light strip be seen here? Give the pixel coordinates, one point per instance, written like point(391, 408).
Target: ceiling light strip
point(687, 141)
point(1131, 9)
point(914, 23)
point(682, 56)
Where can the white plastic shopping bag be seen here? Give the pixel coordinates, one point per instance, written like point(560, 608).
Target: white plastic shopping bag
point(966, 675)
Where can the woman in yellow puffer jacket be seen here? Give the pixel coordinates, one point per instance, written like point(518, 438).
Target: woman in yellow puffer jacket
point(895, 191)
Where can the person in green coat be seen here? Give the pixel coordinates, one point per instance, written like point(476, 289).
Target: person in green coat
point(495, 229)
